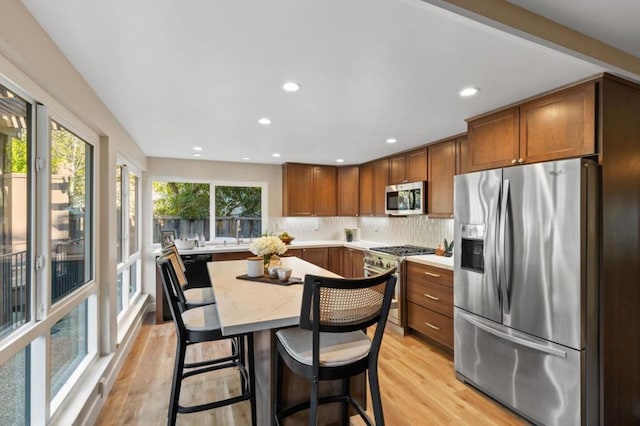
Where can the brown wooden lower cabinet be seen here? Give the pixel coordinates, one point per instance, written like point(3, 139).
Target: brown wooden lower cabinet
point(319, 256)
point(430, 302)
point(430, 323)
point(352, 263)
point(335, 260)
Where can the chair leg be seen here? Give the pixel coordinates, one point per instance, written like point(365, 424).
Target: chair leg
point(252, 379)
point(313, 408)
point(346, 382)
point(277, 403)
point(242, 360)
point(376, 400)
point(181, 348)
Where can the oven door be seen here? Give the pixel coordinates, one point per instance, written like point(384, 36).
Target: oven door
point(395, 313)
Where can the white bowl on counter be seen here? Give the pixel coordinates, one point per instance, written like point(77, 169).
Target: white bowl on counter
point(184, 244)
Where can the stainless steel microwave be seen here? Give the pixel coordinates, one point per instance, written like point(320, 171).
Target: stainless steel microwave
point(405, 199)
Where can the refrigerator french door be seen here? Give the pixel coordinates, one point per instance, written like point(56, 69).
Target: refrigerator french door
point(525, 283)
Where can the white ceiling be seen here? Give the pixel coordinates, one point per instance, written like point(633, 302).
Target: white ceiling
point(179, 74)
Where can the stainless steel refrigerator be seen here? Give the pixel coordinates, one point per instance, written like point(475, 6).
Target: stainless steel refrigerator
point(525, 288)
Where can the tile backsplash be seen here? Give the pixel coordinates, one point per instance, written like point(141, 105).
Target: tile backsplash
point(416, 230)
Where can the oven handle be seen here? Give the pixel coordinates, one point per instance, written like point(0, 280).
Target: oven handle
point(373, 270)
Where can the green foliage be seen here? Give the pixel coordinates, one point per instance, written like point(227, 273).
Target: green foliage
point(69, 157)
point(181, 199)
point(242, 201)
point(448, 246)
point(16, 154)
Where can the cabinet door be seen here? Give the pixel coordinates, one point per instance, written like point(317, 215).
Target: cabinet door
point(442, 166)
point(357, 264)
point(366, 190)
point(494, 140)
point(324, 190)
point(417, 165)
point(348, 191)
point(335, 260)
point(317, 256)
point(397, 169)
point(297, 190)
point(560, 125)
point(462, 158)
point(380, 181)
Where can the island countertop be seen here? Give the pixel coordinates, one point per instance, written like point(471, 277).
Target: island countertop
point(248, 306)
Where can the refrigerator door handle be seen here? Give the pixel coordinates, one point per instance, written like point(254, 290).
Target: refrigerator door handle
point(493, 231)
point(510, 338)
point(504, 269)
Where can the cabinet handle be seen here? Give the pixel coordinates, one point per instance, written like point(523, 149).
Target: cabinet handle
point(514, 161)
point(520, 160)
point(431, 274)
point(435, 327)
point(431, 297)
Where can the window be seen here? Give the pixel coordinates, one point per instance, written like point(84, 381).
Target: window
point(71, 160)
point(69, 346)
point(186, 208)
point(15, 190)
point(15, 390)
point(128, 237)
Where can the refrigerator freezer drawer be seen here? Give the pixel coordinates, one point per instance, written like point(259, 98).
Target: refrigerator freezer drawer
point(536, 378)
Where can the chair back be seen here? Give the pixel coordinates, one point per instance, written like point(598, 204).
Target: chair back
point(172, 248)
point(172, 288)
point(344, 305)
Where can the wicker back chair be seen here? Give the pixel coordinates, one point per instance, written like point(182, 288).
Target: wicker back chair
point(188, 297)
point(197, 325)
point(336, 346)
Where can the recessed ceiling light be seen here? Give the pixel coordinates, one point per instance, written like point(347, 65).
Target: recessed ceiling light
point(339, 160)
point(392, 140)
point(468, 91)
point(197, 148)
point(275, 154)
point(197, 155)
point(246, 158)
point(265, 121)
point(291, 86)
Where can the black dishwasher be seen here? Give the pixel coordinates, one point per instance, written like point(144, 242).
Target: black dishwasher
point(197, 272)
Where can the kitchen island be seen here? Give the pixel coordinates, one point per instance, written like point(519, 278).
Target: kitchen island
point(261, 308)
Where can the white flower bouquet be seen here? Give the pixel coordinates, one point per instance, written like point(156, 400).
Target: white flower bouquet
point(267, 246)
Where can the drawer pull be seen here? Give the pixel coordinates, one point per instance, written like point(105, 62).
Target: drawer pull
point(431, 297)
point(435, 327)
point(431, 274)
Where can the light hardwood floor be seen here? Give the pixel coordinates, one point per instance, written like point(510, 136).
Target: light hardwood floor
point(417, 382)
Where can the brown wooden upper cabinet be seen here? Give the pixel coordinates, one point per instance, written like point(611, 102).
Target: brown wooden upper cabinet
point(373, 179)
point(348, 190)
point(309, 190)
point(558, 125)
point(380, 181)
point(408, 167)
point(366, 189)
point(442, 168)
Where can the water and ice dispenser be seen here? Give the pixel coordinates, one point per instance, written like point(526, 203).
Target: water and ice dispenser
point(472, 247)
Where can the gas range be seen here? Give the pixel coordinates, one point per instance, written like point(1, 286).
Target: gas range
point(404, 250)
point(392, 256)
point(380, 259)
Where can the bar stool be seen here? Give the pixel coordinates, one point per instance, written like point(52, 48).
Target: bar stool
point(197, 325)
point(330, 343)
point(193, 296)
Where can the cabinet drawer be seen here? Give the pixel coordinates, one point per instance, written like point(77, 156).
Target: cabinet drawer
point(436, 297)
point(417, 272)
point(431, 324)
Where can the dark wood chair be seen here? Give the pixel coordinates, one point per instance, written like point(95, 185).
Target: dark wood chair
point(331, 343)
point(197, 325)
point(190, 296)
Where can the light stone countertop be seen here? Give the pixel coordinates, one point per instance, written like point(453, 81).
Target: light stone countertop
point(433, 260)
point(248, 306)
point(244, 246)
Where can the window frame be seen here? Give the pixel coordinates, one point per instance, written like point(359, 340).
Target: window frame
point(264, 199)
point(128, 259)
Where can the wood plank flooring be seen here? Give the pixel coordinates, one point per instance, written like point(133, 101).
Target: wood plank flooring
point(417, 382)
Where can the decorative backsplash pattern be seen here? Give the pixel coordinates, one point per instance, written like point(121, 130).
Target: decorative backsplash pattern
point(417, 230)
